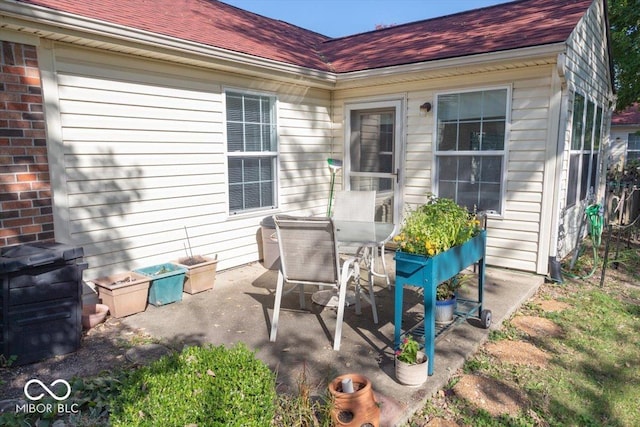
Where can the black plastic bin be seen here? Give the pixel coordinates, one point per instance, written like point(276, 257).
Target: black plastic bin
point(41, 300)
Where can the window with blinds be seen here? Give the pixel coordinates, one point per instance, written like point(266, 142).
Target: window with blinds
point(251, 151)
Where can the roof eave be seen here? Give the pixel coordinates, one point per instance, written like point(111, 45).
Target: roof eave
point(56, 25)
point(457, 65)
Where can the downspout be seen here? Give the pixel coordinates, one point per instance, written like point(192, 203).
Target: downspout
point(555, 273)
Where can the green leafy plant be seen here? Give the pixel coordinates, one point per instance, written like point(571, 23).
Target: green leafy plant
point(408, 351)
point(435, 227)
point(449, 288)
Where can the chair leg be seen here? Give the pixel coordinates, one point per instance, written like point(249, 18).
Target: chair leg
point(276, 307)
point(302, 302)
point(372, 301)
point(384, 266)
point(368, 256)
point(342, 297)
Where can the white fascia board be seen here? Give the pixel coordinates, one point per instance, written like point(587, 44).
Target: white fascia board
point(548, 52)
point(43, 19)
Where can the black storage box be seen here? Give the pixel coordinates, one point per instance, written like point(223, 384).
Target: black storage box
point(41, 300)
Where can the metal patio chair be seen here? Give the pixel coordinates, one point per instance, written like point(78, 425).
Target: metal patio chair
point(309, 256)
point(361, 206)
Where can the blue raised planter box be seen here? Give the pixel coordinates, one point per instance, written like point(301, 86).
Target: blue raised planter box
point(428, 273)
point(166, 283)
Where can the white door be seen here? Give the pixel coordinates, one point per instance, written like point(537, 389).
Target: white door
point(372, 154)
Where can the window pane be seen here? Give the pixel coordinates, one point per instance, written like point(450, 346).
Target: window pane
point(235, 171)
point(266, 111)
point(448, 168)
point(468, 194)
point(588, 133)
point(252, 195)
point(493, 135)
point(578, 125)
point(266, 169)
point(235, 137)
point(234, 108)
point(491, 170)
point(448, 107)
point(633, 141)
point(572, 183)
point(494, 104)
point(252, 137)
point(472, 181)
point(584, 179)
point(251, 109)
point(469, 138)
point(251, 170)
point(372, 141)
point(598, 130)
point(266, 194)
point(489, 199)
point(633, 155)
point(266, 138)
point(471, 106)
point(448, 137)
point(447, 190)
point(235, 198)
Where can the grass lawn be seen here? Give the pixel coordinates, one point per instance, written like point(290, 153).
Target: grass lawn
point(593, 375)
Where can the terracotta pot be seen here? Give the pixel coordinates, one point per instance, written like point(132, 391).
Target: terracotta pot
point(124, 293)
point(93, 314)
point(354, 409)
point(200, 277)
point(412, 374)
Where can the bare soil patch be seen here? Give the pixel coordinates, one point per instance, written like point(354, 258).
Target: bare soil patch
point(537, 327)
point(496, 397)
point(441, 422)
point(518, 353)
point(551, 305)
point(102, 349)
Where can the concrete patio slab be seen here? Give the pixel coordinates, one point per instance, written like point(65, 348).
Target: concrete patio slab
point(240, 306)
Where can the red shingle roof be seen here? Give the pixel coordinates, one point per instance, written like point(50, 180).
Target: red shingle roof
point(209, 22)
point(502, 27)
point(628, 116)
point(513, 25)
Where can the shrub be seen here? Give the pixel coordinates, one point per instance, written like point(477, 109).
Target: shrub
point(204, 386)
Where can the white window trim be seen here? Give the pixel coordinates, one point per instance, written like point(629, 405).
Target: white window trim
point(227, 154)
point(507, 140)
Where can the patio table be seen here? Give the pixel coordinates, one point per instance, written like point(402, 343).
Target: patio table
point(366, 235)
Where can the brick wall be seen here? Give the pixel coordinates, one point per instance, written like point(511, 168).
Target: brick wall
point(25, 190)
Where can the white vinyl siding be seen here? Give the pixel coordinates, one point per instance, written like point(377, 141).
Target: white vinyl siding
point(513, 237)
point(142, 156)
point(587, 73)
